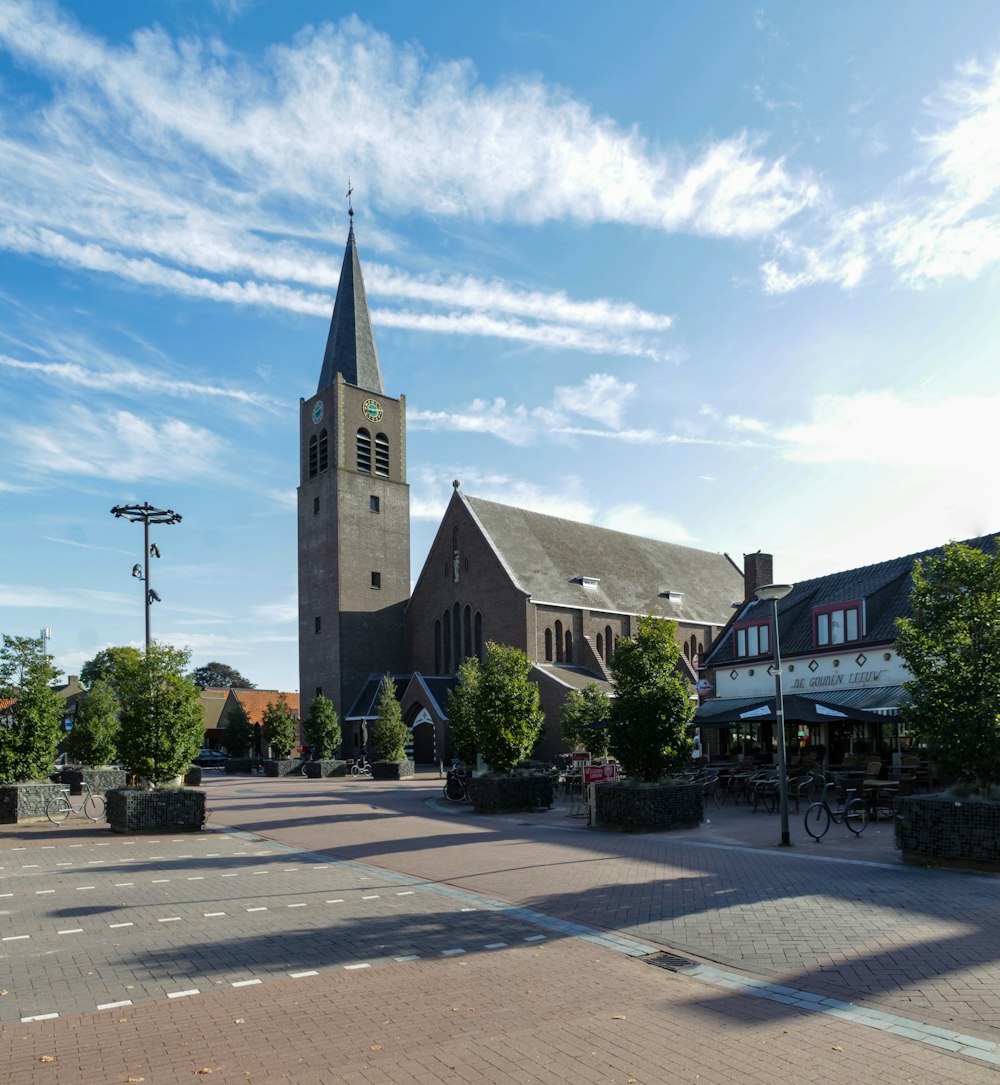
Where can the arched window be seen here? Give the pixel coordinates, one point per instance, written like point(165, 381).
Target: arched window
point(454, 538)
point(467, 631)
point(437, 646)
point(687, 650)
point(569, 646)
point(600, 645)
point(609, 644)
point(313, 444)
point(548, 645)
point(364, 451)
point(381, 455)
point(446, 641)
point(559, 642)
point(478, 636)
point(458, 635)
point(701, 649)
point(323, 462)
point(694, 646)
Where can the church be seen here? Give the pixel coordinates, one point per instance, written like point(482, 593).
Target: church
point(565, 593)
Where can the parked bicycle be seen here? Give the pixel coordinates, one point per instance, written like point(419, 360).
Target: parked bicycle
point(456, 786)
point(60, 806)
point(361, 767)
point(819, 815)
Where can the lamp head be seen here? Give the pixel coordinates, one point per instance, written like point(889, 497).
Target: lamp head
point(137, 571)
point(771, 593)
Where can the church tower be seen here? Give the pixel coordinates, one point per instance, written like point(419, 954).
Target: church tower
point(353, 512)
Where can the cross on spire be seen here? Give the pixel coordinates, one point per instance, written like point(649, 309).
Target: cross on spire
point(350, 205)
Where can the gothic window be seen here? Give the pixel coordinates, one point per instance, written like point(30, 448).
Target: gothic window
point(376, 581)
point(315, 506)
point(478, 636)
point(600, 645)
point(467, 631)
point(446, 640)
point(609, 644)
point(437, 647)
point(457, 629)
point(548, 645)
point(313, 458)
point(381, 455)
point(687, 650)
point(364, 451)
point(569, 646)
point(559, 642)
point(694, 646)
point(323, 463)
point(373, 503)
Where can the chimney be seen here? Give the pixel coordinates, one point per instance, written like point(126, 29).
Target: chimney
point(758, 569)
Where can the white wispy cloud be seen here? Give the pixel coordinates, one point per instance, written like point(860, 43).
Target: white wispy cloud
point(601, 397)
point(179, 165)
point(639, 519)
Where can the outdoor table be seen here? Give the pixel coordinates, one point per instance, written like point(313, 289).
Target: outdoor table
point(875, 788)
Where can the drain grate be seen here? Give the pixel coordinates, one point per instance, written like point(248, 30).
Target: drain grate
point(670, 961)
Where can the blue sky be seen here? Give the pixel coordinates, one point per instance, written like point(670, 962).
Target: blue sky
point(722, 274)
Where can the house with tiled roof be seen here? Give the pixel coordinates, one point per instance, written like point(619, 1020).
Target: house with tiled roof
point(837, 637)
point(216, 703)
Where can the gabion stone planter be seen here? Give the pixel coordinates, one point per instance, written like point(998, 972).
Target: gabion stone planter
point(192, 778)
point(325, 767)
point(392, 770)
point(240, 765)
point(492, 795)
point(646, 807)
point(132, 811)
point(100, 779)
point(283, 767)
point(25, 802)
point(932, 830)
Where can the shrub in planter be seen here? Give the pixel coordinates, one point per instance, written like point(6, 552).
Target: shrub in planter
point(177, 809)
point(321, 727)
point(942, 830)
point(283, 767)
point(192, 778)
point(100, 779)
point(25, 801)
point(646, 807)
point(33, 721)
point(278, 728)
point(392, 770)
point(325, 767)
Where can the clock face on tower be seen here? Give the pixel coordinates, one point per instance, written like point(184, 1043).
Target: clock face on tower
point(372, 409)
point(318, 411)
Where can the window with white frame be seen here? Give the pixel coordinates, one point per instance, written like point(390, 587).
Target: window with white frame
point(752, 639)
point(838, 624)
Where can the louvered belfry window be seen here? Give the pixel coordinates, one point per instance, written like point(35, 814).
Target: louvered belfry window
point(381, 455)
point(312, 456)
point(364, 451)
point(323, 460)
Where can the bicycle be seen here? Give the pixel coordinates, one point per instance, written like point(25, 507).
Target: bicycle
point(456, 787)
point(819, 814)
point(60, 806)
point(361, 767)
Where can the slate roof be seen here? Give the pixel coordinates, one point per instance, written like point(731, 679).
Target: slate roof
point(576, 677)
point(350, 346)
point(543, 555)
point(884, 587)
point(213, 704)
point(365, 705)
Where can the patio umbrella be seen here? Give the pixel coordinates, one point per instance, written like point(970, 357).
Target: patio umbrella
point(797, 707)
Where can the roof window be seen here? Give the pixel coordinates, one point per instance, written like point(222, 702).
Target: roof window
point(586, 581)
point(671, 596)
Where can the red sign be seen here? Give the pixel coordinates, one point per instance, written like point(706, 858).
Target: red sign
point(594, 774)
point(581, 757)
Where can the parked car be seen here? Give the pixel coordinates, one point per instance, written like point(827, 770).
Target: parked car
point(210, 759)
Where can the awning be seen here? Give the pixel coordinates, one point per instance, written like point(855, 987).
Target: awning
point(726, 711)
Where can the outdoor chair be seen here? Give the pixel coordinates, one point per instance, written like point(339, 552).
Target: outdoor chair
point(710, 789)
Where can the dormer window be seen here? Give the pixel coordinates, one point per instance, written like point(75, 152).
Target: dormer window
point(837, 624)
point(586, 581)
point(752, 639)
point(672, 596)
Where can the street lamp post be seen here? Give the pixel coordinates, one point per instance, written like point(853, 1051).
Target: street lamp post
point(146, 514)
point(772, 593)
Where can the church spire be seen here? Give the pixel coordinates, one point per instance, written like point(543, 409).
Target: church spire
point(350, 346)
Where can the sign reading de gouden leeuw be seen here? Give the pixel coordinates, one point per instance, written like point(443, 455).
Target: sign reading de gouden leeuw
point(814, 675)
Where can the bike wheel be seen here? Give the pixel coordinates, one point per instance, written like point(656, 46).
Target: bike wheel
point(355, 769)
point(817, 820)
point(453, 790)
point(57, 809)
point(856, 816)
point(93, 807)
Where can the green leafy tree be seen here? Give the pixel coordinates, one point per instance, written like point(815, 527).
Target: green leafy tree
point(237, 731)
point(220, 676)
point(103, 666)
point(585, 716)
point(31, 726)
point(652, 704)
point(278, 727)
point(389, 733)
point(506, 713)
point(951, 646)
point(162, 722)
point(462, 712)
point(321, 727)
point(94, 738)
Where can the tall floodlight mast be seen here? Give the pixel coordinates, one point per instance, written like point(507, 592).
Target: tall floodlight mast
point(146, 514)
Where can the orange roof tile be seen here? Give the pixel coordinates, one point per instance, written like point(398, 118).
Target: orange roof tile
point(255, 701)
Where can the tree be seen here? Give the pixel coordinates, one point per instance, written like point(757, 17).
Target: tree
point(220, 676)
point(278, 727)
point(951, 646)
point(585, 715)
point(497, 707)
point(652, 704)
point(321, 727)
point(389, 733)
point(103, 666)
point(162, 722)
point(462, 712)
point(31, 725)
point(94, 738)
point(237, 731)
